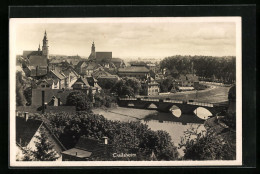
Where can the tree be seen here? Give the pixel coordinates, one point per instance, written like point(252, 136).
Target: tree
point(122, 89)
point(23, 89)
point(106, 83)
point(20, 99)
point(90, 94)
point(134, 84)
point(28, 95)
point(80, 100)
point(204, 66)
point(28, 155)
point(207, 145)
point(166, 84)
point(44, 149)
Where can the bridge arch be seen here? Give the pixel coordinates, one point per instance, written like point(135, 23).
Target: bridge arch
point(151, 106)
point(203, 113)
point(130, 104)
point(175, 110)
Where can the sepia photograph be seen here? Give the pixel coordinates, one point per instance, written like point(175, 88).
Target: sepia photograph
point(153, 91)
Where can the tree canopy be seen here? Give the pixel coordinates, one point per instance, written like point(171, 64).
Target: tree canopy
point(79, 99)
point(204, 66)
point(127, 87)
point(123, 136)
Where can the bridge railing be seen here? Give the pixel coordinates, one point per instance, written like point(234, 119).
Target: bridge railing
point(173, 101)
point(201, 104)
point(130, 98)
point(150, 99)
point(169, 101)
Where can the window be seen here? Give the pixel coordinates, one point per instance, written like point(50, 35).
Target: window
point(43, 86)
point(47, 86)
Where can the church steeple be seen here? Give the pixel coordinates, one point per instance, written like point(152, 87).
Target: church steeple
point(93, 51)
point(39, 49)
point(45, 47)
point(93, 48)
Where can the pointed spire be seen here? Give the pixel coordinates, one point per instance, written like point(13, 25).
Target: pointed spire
point(45, 35)
point(39, 49)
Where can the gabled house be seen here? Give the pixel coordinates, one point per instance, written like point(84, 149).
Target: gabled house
point(58, 65)
point(26, 131)
point(119, 63)
point(139, 72)
point(58, 77)
point(91, 67)
point(80, 68)
point(151, 87)
point(186, 82)
point(81, 83)
point(47, 84)
point(71, 75)
point(86, 84)
point(93, 83)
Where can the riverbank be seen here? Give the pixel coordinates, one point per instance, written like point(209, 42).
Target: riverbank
point(214, 94)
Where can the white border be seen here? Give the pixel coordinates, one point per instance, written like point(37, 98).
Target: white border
point(12, 69)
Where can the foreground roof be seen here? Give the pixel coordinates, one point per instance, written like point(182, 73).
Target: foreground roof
point(77, 152)
point(25, 130)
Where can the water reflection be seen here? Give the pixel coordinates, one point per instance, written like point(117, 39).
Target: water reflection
point(183, 119)
point(202, 113)
point(175, 111)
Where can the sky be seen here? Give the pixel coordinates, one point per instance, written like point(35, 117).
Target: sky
point(130, 40)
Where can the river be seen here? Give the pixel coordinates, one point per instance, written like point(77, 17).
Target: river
point(174, 123)
point(175, 126)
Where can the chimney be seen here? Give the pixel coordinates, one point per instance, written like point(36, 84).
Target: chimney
point(26, 116)
point(37, 68)
point(43, 106)
point(58, 101)
point(105, 140)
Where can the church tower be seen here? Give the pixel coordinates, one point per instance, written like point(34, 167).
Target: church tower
point(93, 52)
point(45, 47)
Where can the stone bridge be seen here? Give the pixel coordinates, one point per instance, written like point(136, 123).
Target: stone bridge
point(164, 105)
